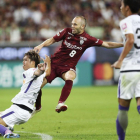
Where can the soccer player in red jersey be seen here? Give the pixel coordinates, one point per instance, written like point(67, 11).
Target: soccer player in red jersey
point(74, 42)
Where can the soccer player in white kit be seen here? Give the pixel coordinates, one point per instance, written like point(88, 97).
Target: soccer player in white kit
point(23, 103)
point(129, 64)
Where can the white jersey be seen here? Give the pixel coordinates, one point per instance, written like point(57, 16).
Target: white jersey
point(29, 90)
point(131, 25)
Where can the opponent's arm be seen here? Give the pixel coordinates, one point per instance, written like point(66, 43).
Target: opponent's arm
point(47, 63)
point(47, 42)
point(128, 46)
point(110, 45)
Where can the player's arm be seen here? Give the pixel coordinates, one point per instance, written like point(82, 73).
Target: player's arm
point(127, 47)
point(47, 42)
point(46, 66)
point(110, 45)
point(47, 63)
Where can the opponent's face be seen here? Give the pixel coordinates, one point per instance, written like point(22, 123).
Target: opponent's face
point(27, 63)
point(123, 8)
point(77, 26)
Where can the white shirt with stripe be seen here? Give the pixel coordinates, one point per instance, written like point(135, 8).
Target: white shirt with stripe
point(29, 90)
point(131, 25)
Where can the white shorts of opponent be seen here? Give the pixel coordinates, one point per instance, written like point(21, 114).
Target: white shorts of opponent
point(15, 115)
point(129, 85)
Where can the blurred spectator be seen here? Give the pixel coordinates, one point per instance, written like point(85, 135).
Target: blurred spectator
point(37, 20)
point(15, 34)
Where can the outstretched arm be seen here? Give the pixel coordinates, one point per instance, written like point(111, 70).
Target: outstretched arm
point(110, 45)
point(47, 42)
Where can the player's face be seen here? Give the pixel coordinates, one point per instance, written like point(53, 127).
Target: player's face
point(27, 63)
point(123, 10)
point(76, 26)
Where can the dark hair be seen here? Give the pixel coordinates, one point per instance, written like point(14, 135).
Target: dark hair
point(133, 4)
point(33, 56)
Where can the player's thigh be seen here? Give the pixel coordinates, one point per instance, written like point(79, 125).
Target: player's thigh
point(15, 115)
point(69, 75)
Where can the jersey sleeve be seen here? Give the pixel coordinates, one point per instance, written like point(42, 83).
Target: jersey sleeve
point(60, 35)
point(92, 41)
point(126, 27)
point(29, 73)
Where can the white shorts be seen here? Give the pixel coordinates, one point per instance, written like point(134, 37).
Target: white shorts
point(129, 85)
point(15, 115)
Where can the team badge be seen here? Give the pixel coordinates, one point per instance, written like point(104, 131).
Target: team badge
point(82, 40)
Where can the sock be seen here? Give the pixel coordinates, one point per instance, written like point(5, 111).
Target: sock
point(122, 122)
point(138, 108)
point(66, 90)
point(4, 130)
point(38, 100)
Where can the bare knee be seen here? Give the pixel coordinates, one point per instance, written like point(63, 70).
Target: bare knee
point(70, 75)
point(2, 122)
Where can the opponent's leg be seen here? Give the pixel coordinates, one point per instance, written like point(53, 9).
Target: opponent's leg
point(38, 100)
point(69, 76)
point(122, 118)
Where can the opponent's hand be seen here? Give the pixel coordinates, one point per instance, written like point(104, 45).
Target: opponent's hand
point(41, 66)
point(117, 65)
point(46, 60)
point(37, 49)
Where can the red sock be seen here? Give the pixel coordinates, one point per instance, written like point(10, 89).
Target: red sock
point(38, 100)
point(66, 91)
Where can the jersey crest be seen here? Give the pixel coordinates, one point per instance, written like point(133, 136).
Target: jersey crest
point(82, 39)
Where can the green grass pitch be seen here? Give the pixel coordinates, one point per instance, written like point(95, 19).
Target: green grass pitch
point(91, 115)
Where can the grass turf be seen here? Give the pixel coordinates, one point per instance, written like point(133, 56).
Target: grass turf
point(91, 115)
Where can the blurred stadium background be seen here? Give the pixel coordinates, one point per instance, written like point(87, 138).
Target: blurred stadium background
point(92, 109)
point(26, 23)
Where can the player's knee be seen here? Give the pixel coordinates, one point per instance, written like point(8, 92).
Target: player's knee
point(123, 108)
point(70, 76)
point(138, 108)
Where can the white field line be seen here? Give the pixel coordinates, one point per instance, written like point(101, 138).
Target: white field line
point(43, 136)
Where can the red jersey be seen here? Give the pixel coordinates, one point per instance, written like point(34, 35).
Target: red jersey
point(72, 47)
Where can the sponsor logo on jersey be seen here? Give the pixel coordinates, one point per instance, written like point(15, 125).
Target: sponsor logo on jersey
point(69, 37)
point(58, 34)
point(82, 39)
point(97, 41)
point(124, 26)
point(69, 45)
point(70, 33)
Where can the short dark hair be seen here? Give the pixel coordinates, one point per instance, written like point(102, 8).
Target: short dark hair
point(133, 4)
point(33, 56)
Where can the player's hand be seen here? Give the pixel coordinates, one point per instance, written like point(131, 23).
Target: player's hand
point(117, 65)
point(37, 49)
point(46, 60)
point(41, 66)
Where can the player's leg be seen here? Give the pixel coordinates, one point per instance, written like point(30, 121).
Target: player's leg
point(138, 104)
point(45, 81)
point(137, 95)
point(4, 130)
point(68, 76)
point(38, 100)
point(122, 118)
